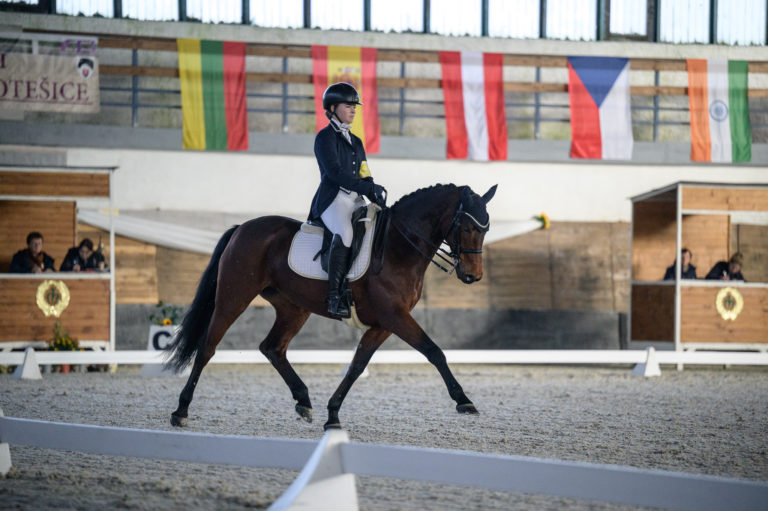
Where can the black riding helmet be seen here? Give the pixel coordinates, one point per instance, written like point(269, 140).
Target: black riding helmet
point(340, 93)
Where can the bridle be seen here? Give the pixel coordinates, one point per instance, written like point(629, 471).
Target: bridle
point(452, 256)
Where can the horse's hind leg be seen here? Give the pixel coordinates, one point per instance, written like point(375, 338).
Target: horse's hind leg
point(288, 321)
point(220, 322)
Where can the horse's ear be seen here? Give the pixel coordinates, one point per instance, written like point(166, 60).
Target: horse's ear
point(489, 194)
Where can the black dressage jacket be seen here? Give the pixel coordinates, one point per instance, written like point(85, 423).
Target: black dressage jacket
point(340, 166)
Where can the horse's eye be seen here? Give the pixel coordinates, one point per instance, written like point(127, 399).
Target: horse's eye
point(467, 230)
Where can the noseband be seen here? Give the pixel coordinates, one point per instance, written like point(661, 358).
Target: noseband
point(452, 256)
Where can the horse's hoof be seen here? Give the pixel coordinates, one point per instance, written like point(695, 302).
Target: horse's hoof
point(467, 408)
point(331, 425)
point(178, 421)
point(304, 412)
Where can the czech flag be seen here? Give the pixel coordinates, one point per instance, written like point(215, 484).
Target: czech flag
point(212, 75)
point(717, 93)
point(473, 91)
point(357, 67)
point(601, 121)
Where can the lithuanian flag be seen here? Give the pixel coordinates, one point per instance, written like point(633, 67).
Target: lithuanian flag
point(717, 93)
point(212, 77)
point(356, 66)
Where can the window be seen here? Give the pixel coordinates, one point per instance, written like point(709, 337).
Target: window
point(397, 15)
point(221, 11)
point(86, 7)
point(514, 18)
point(741, 21)
point(159, 10)
point(684, 21)
point(455, 17)
point(572, 19)
point(337, 14)
point(628, 17)
point(283, 14)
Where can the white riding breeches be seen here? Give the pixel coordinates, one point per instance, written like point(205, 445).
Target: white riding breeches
point(338, 216)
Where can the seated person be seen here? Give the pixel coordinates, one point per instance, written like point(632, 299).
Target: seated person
point(32, 259)
point(82, 258)
point(730, 270)
point(688, 271)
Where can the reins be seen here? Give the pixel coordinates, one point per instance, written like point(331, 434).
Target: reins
point(450, 257)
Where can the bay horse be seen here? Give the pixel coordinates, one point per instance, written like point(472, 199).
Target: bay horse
point(252, 259)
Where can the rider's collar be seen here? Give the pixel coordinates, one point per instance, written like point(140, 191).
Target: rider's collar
point(340, 126)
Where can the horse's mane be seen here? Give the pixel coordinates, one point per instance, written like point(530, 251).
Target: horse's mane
point(416, 198)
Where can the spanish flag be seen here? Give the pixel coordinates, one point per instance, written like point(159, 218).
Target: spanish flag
point(212, 75)
point(356, 66)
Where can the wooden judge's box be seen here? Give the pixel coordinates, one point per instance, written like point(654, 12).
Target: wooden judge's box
point(713, 221)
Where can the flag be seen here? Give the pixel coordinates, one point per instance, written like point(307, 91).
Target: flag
point(717, 93)
point(357, 67)
point(473, 93)
point(601, 121)
point(212, 75)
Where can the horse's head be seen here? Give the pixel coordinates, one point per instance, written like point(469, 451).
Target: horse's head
point(470, 223)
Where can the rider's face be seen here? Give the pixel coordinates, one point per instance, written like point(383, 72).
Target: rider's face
point(346, 112)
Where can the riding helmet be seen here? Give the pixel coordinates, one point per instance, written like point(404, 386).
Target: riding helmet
point(340, 93)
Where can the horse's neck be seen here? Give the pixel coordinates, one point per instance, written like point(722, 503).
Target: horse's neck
point(431, 223)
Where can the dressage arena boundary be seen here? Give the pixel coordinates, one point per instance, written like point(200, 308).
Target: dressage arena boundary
point(328, 467)
point(646, 361)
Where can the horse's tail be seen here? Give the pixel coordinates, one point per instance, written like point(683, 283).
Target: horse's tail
point(194, 326)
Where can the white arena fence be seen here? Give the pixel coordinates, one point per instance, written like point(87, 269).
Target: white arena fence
point(646, 361)
point(328, 467)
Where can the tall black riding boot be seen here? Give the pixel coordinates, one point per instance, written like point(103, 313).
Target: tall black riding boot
point(338, 262)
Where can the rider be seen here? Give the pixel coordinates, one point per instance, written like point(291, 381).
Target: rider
point(344, 180)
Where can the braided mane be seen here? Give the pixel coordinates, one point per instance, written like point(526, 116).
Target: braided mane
point(417, 197)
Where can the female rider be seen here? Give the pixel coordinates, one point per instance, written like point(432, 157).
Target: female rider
point(344, 180)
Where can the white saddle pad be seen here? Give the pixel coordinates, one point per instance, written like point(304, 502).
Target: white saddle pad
point(308, 241)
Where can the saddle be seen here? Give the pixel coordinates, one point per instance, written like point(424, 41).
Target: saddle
point(308, 255)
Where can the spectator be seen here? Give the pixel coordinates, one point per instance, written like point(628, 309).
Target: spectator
point(730, 270)
point(688, 271)
point(82, 258)
point(32, 259)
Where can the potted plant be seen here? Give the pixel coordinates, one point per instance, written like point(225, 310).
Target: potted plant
point(62, 341)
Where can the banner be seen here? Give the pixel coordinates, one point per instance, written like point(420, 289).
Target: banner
point(49, 83)
point(212, 75)
point(473, 92)
point(717, 93)
point(601, 120)
point(356, 66)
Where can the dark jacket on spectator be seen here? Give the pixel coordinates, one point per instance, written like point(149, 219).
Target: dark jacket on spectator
point(23, 262)
point(73, 258)
point(690, 273)
point(717, 271)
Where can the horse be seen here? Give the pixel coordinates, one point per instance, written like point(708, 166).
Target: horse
point(252, 259)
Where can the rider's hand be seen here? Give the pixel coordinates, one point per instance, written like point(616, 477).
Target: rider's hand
point(379, 195)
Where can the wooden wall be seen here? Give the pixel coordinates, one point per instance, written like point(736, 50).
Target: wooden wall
point(54, 220)
point(700, 321)
point(57, 184)
point(86, 317)
point(653, 312)
point(726, 199)
point(752, 241)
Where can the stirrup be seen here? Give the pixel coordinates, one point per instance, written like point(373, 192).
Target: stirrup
point(338, 307)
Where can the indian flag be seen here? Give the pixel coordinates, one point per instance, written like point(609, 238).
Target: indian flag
point(357, 67)
point(212, 75)
point(717, 91)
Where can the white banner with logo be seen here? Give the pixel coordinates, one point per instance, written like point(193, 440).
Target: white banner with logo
point(51, 83)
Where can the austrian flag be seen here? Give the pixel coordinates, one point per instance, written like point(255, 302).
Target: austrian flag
point(601, 122)
point(473, 90)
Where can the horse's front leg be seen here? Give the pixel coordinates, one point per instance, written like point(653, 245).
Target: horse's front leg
point(405, 327)
point(370, 342)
